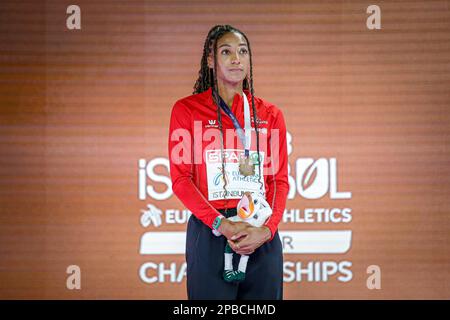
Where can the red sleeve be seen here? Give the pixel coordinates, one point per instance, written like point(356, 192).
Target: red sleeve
point(277, 181)
point(182, 165)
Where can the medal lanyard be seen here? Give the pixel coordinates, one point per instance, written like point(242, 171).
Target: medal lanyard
point(246, 138)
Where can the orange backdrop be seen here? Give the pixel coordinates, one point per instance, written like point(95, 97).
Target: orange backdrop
point(81, 109)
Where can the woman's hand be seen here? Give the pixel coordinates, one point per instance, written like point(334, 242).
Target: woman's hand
point(249, 239)
point(229, 228)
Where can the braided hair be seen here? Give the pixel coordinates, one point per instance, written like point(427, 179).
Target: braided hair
point(207, 78)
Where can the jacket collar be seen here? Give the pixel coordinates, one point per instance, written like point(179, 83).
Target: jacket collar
point(237, 100)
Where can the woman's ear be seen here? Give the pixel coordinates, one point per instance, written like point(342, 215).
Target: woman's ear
point(210, 61)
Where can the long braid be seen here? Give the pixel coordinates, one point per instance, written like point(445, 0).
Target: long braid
point(254, 112)
point(215, 90)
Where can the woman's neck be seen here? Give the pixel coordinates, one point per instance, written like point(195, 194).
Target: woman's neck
point(227, 91)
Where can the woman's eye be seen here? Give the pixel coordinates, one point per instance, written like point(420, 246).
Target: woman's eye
point(241, 51)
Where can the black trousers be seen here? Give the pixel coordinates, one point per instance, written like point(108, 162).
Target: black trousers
point(205, 265)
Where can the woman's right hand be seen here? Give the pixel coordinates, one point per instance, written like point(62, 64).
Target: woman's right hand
point(229, 228)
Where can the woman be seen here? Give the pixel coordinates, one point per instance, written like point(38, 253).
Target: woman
point(210, 171)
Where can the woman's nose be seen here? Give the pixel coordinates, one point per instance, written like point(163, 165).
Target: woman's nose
point(235, 58)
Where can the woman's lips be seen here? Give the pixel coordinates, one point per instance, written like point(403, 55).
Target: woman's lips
point(236, 70)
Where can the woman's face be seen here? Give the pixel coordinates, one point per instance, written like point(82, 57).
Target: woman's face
point(233, 60)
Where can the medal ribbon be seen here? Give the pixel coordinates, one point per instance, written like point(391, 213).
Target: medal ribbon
point(246, 138)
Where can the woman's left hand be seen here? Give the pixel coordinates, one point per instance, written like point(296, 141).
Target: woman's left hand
point(250, 239)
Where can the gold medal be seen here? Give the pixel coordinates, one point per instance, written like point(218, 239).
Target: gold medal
point(246, 168)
